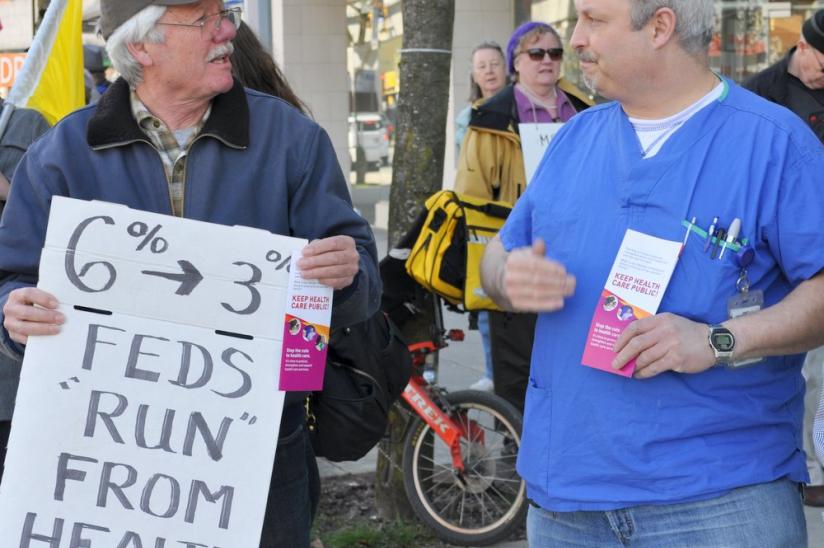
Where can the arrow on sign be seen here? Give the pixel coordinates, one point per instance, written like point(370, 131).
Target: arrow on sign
point(188, 279)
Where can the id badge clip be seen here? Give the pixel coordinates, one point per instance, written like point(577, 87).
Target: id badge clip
point(745, 301)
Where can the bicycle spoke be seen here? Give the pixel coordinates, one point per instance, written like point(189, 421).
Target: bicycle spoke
point(498, 492)
point(438, 484)
point(484, 509)
point(463, 507)
point(439, 497)
point(433, 461)
point(456, 503)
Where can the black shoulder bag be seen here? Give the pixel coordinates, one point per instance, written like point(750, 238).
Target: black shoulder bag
point(367, 367)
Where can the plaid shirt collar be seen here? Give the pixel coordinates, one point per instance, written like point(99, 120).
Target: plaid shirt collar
point(159, 133)
point(172, 154)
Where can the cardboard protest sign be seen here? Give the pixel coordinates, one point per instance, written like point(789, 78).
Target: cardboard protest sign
point(152, 419)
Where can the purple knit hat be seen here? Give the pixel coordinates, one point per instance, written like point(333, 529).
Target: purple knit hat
point(516, 37)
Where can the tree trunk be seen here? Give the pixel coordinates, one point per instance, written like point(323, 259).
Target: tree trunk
point(422, 108)
point(417, 173)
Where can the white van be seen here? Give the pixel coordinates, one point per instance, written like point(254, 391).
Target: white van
point(368, 140)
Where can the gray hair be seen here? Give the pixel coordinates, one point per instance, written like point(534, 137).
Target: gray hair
point(141, 27)
point(475, 89)
point(695, 20)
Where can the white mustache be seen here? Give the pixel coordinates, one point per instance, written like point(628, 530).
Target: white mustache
point(587, 57)
point(220, 51)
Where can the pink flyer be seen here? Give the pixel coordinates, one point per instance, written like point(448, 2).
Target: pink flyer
point(305, 334)
point(634, 289)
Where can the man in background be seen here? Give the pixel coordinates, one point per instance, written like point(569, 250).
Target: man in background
point(95, 63)
point(797, 80)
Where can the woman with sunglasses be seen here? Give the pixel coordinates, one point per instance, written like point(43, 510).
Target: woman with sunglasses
point(491, 166)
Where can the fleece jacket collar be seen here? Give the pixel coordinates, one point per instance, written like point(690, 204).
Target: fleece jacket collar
point(113, 124)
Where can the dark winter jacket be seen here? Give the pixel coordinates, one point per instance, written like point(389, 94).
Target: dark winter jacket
point(772, 82)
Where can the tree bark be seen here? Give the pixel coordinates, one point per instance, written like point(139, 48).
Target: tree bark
point(422, 107)
point(417, 173)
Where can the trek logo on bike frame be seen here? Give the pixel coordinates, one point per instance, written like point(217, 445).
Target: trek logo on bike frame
point(440, 423)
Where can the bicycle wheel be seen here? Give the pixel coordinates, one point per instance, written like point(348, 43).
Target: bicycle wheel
point(488, 501)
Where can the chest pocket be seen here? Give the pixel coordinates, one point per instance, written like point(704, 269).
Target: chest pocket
point(708, 283)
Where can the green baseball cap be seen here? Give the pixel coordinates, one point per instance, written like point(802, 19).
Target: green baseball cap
point(114, 13)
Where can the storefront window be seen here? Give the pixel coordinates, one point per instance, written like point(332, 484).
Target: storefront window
point(751, 35)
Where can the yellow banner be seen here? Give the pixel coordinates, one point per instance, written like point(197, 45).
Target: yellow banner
point(60, 88)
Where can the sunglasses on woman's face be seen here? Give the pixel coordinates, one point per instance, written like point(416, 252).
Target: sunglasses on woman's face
point(537, 54)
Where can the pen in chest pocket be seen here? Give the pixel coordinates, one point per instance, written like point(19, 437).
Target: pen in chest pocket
point(720, 234)
point(732, 234)
point(687, 235)
point(710, 232)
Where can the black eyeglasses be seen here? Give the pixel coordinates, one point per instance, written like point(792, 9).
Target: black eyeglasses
point(537, 54)
point(232, 15)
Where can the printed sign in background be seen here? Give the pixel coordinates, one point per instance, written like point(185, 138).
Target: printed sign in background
point(535, 139)
point(10, 66)
point(18, 24)
point(155, 413)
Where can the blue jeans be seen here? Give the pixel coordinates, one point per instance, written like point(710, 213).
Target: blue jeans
point(483, 329)
point(295, 487)
point(767, 515)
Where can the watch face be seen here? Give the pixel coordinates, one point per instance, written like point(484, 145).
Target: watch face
point(723, 341)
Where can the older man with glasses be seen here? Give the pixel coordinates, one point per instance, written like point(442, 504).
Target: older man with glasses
point(177, 135)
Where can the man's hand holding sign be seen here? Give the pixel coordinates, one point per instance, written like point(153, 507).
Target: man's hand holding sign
point(30, 312)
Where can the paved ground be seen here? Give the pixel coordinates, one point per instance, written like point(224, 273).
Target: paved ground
point(461, 364)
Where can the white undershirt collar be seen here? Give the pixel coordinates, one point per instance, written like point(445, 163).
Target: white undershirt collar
point(652, 134)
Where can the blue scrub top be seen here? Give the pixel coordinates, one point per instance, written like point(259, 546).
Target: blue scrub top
point(597, 441)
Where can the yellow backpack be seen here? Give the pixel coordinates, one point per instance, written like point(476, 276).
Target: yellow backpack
point(446, 257)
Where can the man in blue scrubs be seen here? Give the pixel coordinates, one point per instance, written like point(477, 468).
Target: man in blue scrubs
point(694, 449)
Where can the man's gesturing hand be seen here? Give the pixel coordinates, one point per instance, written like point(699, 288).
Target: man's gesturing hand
point(332, 261)
point(30, 311)
point(533, 283)
point(664, 342)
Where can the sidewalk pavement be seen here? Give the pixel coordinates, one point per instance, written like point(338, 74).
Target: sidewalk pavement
point(461, 364)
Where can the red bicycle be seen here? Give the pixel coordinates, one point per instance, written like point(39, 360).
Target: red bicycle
point(459, 455)
point(459, 448)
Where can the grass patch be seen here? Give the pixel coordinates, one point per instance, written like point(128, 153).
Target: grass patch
point(369, 535)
